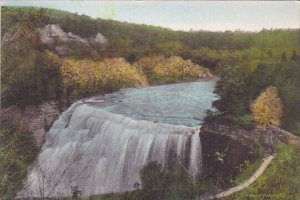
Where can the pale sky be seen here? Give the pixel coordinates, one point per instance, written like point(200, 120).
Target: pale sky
point(185, 15)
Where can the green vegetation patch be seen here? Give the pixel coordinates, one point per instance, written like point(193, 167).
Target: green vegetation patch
point(281, 179)
point(17, 152)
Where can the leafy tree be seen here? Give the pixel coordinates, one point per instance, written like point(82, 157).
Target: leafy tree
point(267, 108)
point(231, 88)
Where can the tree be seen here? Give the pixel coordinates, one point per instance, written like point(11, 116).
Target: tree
point(267, 108)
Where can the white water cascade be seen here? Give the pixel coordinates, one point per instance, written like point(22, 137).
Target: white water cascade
point(102, 152)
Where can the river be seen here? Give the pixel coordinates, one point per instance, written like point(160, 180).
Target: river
point(178, 104)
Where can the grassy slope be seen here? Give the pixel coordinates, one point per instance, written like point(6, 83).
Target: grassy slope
point(279, 181)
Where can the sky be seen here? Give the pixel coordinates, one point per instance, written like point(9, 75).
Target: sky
point(185, 15)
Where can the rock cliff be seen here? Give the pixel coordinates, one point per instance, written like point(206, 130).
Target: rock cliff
point(37, 119)
point(225, 148)
point(54, 37)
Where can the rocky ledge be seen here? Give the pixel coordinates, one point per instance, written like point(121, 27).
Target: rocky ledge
point(225, 148)
point(55, 38)
point(37, 119)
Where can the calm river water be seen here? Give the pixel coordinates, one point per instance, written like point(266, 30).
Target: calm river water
point(179, 104)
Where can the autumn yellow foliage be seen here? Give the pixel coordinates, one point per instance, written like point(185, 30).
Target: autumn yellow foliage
point(87, 77)
point(160, 69)
point(267, 108)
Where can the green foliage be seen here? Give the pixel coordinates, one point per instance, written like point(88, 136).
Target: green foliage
point(220, 156)
point(17, 151)
point(279, 181)
point(244, 121)
point(170, 48)
point(259, 149)
point(173, 183)
point(204, 48)
point(211, 115)
point(231, 89)
point(27, 75)
point(246, 170)
point(238, 90)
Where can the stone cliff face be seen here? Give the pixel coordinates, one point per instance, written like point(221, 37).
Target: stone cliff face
point(53, 36)
point(235, 145)
point(37, 119)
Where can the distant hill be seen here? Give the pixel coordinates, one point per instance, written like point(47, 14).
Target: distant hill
point(133, 41)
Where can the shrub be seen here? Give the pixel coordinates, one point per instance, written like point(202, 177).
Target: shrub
point(160, 69)
point(87, 77)
point(267, 108)
point(244, 121)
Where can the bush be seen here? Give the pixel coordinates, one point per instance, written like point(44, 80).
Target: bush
point(173, 183)
point(267, 108)
point(160, 69)
point(244, 121)
point(87, 77)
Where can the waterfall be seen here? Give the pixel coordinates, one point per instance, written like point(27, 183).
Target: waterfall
point(101, 152)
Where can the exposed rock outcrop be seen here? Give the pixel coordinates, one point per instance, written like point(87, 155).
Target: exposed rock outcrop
point(52, 35)
point(51, 32)
point(37, 119)
point(235, 145)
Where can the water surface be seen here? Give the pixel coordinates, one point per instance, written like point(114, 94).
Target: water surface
point(179, 104)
